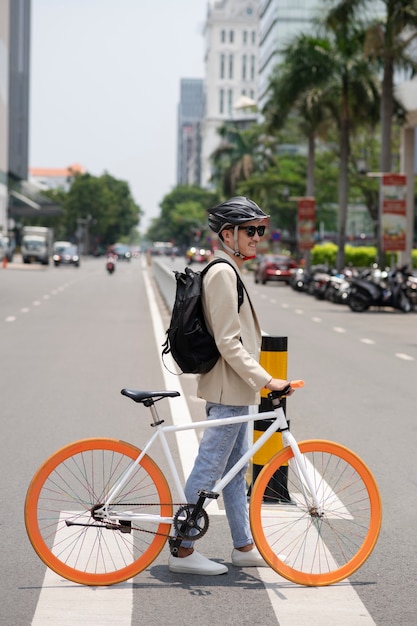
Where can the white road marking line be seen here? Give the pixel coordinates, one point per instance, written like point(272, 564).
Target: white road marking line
point(317, 319)
point(405, 357)
point(336, 605)
point(368, 341)
point(339, 329)
point(36, 303)
point(299, 312)
point(187, 439)
point(10, 318)
point(65, 603)
point(25, 309)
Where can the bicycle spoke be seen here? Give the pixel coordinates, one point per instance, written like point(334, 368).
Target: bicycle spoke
point(61, 520)
point(321, 546)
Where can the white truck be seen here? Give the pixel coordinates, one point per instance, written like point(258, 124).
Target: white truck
point(36, 244)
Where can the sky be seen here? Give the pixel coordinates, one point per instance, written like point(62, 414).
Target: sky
point(105, 87)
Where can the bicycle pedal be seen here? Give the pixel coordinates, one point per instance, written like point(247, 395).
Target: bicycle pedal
point(212, 495)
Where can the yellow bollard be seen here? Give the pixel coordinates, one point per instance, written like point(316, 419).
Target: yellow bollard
point(274, 354)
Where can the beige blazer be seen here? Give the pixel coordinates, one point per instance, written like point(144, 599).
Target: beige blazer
point(237, 377)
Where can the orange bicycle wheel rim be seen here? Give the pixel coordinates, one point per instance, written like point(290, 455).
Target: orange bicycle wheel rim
point(39, 537)
point(365, 499)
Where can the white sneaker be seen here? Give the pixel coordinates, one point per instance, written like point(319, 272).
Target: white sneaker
point(252, 558)
point(196, 563)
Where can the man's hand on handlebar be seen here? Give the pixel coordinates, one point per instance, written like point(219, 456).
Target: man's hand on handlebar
point(278, 384)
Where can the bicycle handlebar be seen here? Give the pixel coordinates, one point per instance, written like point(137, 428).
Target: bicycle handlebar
point(296, 384)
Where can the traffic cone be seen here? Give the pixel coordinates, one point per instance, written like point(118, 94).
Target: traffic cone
point(4, 262)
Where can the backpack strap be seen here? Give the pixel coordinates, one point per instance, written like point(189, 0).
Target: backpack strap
point(240, 286)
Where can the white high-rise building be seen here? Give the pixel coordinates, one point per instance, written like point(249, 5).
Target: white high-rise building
point(282, 20)
point(279, 22)
point(231, 70)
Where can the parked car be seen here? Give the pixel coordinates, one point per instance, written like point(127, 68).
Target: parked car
point(276, 267)
point(67, 255)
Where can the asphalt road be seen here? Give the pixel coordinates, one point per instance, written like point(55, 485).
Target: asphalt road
point(72, 338)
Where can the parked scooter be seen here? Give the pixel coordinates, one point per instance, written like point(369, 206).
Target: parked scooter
point(111, 263)
point(385, 289)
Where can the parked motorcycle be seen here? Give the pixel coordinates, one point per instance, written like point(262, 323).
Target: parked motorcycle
point(381, 290)
point(338, 288)
point(111, 263)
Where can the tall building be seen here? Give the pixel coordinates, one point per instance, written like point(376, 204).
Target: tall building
point(14, 97)
point(231, 71)
point(19, 60)
point(190, 117)
point(282, 20)
point(279, 22)
point(4, 109)
point(18, 198)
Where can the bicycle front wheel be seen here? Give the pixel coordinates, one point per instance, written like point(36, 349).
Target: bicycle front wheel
point(324, 546)
point(66, 491)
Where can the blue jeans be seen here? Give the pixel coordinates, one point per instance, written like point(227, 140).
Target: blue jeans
point(220, 448)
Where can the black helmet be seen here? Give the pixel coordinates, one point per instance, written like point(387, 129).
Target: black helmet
point(233, 212)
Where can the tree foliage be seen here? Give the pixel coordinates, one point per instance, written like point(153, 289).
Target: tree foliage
point(242, 153)
point(183, 218)
point(105, 203)
point(102, 206)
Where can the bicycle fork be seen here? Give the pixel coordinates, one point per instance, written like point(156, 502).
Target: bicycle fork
point(301, 469)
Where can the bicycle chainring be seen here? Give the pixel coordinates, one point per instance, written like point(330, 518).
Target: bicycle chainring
point(186, 527)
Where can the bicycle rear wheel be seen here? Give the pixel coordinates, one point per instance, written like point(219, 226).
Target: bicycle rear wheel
point(60, 503)
point(319, 550)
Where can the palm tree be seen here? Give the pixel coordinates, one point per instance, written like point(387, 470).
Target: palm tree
point(240, 154)
point(390, 43)
point(329, 71)
point(296, 87)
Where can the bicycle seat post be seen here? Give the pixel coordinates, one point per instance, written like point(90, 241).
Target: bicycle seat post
point(155, 417)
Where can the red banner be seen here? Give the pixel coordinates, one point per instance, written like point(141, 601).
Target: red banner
point(394, 212)
point(306, 223)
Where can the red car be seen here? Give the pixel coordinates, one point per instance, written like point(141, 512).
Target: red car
point(275, 267)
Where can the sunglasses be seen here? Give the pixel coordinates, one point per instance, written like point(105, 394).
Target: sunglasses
point(251, 230)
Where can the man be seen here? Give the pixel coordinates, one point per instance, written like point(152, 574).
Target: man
point(231, 385)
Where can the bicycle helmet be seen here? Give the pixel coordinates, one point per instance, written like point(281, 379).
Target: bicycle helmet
point(234, 212)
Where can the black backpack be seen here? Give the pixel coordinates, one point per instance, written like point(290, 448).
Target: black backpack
point(191, 345)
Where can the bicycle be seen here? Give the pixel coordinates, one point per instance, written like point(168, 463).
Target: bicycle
point(99, 511)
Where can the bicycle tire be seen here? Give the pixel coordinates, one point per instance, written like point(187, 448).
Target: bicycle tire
point(318, 550)
point(67, 487)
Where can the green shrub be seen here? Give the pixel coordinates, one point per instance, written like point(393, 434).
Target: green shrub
point(324, 254)
point(361, 256)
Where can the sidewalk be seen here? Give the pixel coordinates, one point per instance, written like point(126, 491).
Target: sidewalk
point(17, 264)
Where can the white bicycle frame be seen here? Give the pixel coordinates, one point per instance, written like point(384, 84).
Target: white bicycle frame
point(279, 423)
